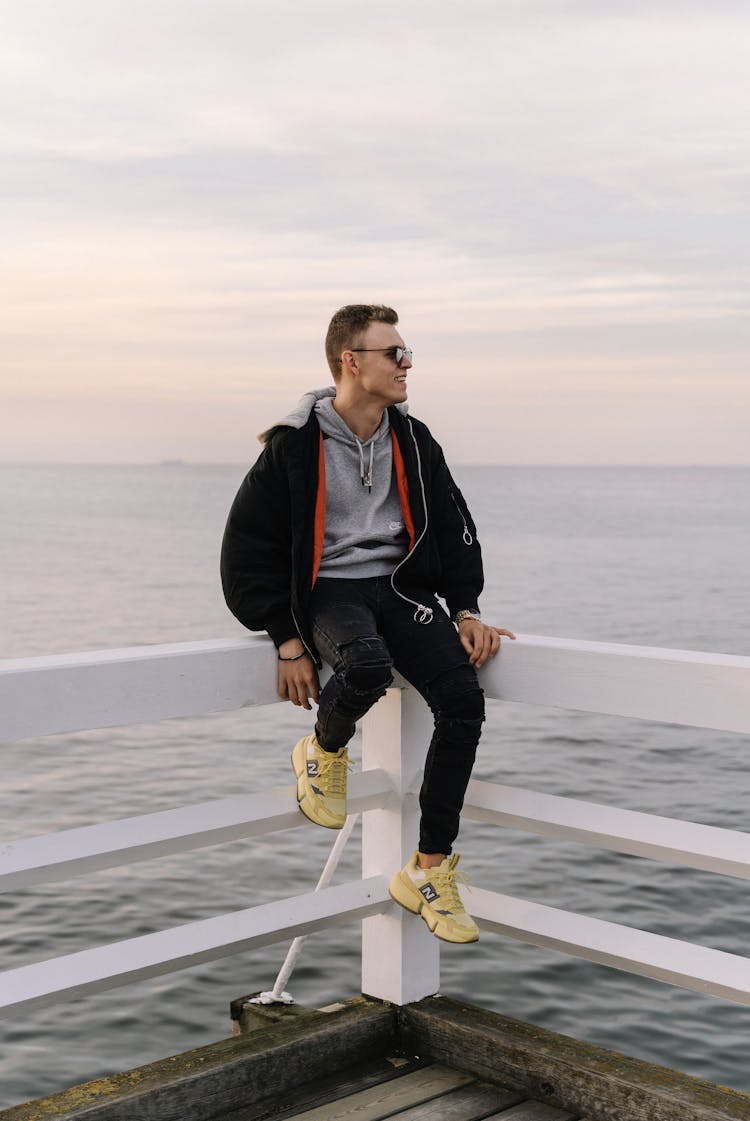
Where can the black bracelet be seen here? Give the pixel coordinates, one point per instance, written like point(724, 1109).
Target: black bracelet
point(294, 658)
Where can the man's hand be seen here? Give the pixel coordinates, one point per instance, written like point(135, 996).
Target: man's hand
point(298, 680)
point(480, 641)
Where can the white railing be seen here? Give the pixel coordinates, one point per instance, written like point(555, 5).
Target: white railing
point(400, 959)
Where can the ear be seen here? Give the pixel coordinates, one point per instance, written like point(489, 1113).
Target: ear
point(349, 362)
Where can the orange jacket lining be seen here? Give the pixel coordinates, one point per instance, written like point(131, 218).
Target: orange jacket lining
point(320, 502)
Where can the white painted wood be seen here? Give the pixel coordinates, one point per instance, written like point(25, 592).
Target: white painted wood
point(698, 968)
point(725, 851)
point(73, 852)
point(106, 688)
point(121, 963)
point(330, 866)
point(40, 696)
point(687, 687)
point(400, 958)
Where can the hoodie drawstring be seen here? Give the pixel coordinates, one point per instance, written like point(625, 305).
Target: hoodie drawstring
point(365, 474)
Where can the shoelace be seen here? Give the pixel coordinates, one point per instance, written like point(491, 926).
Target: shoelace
point(447, 888)
point(334, 770)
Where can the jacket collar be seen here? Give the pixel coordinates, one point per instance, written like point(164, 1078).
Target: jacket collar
point(300, 414)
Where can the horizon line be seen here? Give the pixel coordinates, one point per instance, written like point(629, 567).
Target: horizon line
point(179, 462)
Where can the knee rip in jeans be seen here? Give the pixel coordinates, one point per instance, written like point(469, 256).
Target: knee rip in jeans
point(367, 665)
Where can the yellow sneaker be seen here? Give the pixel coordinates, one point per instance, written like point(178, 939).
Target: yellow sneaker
point(321, 782)
point(433, 894)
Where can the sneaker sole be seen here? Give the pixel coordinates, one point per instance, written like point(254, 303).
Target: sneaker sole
point(406, 897)
point(312, 812)
point(441, 930)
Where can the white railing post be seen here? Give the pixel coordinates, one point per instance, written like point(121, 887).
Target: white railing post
point(400, 958)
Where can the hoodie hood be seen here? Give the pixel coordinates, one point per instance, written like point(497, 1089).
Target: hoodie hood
point(331, 424)
point(335, 427)
point(300, 414)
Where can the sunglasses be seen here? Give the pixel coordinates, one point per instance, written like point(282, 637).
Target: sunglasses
point(397, 353)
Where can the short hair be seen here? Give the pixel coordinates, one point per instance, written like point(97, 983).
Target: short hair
point(347, 327)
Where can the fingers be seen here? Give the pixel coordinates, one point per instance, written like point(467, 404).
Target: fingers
point(298, 681)
point(483, 646)
point(296, 692)
point(466, 641)
point(481, 641)
point(298, 695)
point(476, 640)
point(492, 642)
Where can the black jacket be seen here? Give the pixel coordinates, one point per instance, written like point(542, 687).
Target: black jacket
point(267, 556)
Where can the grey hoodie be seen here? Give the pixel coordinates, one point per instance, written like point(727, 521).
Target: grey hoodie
point(364, 530)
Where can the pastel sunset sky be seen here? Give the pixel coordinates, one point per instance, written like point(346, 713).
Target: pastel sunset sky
point(554, 195)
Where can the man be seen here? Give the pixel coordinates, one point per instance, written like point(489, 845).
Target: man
point(339, 540)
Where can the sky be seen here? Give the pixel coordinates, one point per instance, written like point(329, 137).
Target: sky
point(554, 195)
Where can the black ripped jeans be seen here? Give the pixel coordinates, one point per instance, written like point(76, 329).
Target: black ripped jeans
point(363, 629)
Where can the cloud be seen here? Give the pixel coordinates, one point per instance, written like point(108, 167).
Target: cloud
point(191, 189)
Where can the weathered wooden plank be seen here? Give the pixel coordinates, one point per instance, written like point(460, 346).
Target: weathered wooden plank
point(210, 1082)
point(327, 1088)
point(474, 1102)
point(559, 1071)
point(532, 1111)
point(379, 1102)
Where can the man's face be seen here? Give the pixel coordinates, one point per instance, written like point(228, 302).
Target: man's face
point(379, 376)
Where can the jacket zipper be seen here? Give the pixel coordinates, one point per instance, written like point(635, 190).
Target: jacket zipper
point(468, 539)
point(299, 635)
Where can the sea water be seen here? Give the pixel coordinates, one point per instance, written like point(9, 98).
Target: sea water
point(112, 556)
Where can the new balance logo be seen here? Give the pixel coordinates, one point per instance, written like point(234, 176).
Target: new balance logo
point(312, 768)
point(428, 891)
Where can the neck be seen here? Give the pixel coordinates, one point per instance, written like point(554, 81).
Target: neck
point(362, 417)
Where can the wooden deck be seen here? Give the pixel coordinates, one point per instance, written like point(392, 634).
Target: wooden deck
point(413, 1089)
point(437, 1059)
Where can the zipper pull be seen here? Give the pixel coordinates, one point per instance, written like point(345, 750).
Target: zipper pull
point(466, 535)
